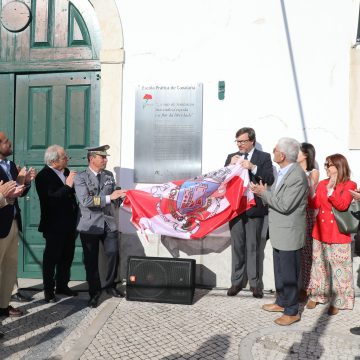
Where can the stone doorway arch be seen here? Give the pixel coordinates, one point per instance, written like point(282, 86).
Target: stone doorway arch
point(112, 60)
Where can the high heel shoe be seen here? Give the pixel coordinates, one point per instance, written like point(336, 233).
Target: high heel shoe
point(333, 310)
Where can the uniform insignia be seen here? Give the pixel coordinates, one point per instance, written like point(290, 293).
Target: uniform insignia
point(97, 200)
point(108, 182)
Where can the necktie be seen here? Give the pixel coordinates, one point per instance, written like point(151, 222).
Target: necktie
point(98, 176)
point(246, 156)
point(6, 167)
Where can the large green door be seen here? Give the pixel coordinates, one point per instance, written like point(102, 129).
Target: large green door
point(52, 108)
point(49, 94)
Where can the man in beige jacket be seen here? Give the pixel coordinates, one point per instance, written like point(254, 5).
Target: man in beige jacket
point(6, 190)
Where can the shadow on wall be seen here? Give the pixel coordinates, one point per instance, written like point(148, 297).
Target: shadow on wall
point(208, 245)
point(125, 179)
point(204, 277)
point(130, 245)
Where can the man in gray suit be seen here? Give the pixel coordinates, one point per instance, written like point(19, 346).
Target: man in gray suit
point(96, 192)
point(287, 222)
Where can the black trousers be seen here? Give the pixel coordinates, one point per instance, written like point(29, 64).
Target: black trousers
point(90, 244)
point(286, 271)
point(245, 250)
point(57, 259)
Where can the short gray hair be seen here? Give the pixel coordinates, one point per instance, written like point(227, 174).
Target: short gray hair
point(52, 154)
point(290, 148)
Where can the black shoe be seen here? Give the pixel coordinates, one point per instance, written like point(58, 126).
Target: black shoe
point(18, 297)
point(50, 297)
point(11, 312)
point(94, 300)
point(257, 293)
point(115, 292)
point(66, 291)
point(234, 290)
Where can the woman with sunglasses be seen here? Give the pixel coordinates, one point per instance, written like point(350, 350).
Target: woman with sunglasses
point(306, 159)
point(331, 278)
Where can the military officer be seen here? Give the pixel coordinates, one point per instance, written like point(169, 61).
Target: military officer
point(96, 191)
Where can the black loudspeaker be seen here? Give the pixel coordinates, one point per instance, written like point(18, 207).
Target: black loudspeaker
point(160, 279)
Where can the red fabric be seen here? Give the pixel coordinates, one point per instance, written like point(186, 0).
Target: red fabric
point(326, 229)
point(191, 208)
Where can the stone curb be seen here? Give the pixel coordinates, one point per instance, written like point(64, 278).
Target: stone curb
point(87, 337)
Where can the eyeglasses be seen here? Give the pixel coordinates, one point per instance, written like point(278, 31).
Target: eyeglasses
point(65, 157)
point(242, 142)
point(327, 165)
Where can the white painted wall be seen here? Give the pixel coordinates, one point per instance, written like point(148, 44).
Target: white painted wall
point(244, 43)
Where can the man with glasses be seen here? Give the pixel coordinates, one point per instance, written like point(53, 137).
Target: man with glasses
point(247, 228)
point(96, 190)
point(59, 210)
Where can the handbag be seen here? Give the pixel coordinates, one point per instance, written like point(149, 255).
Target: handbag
point(348, 220)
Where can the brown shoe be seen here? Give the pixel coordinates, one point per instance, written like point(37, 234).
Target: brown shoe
point(272, 308)
point(234, 290)
point(257, 293)
point(286, 320)
point(333, 310)
point(311, 304)
point(10, 311)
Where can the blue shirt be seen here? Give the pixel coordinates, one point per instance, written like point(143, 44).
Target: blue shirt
point(281, 173)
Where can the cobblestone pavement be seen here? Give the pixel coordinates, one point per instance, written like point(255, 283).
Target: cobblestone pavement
point(214, 327)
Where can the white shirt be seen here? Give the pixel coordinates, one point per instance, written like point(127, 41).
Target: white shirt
point(59, 173)
point(250, 154)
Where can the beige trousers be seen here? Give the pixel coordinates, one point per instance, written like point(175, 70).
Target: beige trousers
point(8, 264)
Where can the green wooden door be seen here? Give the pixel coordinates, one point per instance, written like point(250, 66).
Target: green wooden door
point(52, 108)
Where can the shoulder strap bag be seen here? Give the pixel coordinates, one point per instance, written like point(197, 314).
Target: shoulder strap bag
point(348, 220)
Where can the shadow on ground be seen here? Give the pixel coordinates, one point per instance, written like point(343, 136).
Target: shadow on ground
point(214, 348)
point(41, 323)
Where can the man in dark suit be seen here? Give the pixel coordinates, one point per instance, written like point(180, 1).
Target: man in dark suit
point(59, 209)
point(96, 191)
point(246, 228)
point(10, 225)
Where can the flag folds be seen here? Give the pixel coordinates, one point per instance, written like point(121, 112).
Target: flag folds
point(191, 209)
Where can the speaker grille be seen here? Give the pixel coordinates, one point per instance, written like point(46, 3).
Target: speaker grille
point(160, 279)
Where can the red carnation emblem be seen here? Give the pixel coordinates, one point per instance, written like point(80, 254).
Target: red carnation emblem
point(146, 98)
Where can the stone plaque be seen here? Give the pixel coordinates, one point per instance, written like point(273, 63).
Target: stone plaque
point(168, 132)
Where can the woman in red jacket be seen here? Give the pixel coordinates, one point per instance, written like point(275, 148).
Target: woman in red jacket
point(331, 272)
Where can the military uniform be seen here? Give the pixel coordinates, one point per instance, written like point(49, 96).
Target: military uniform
point(97, 223)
